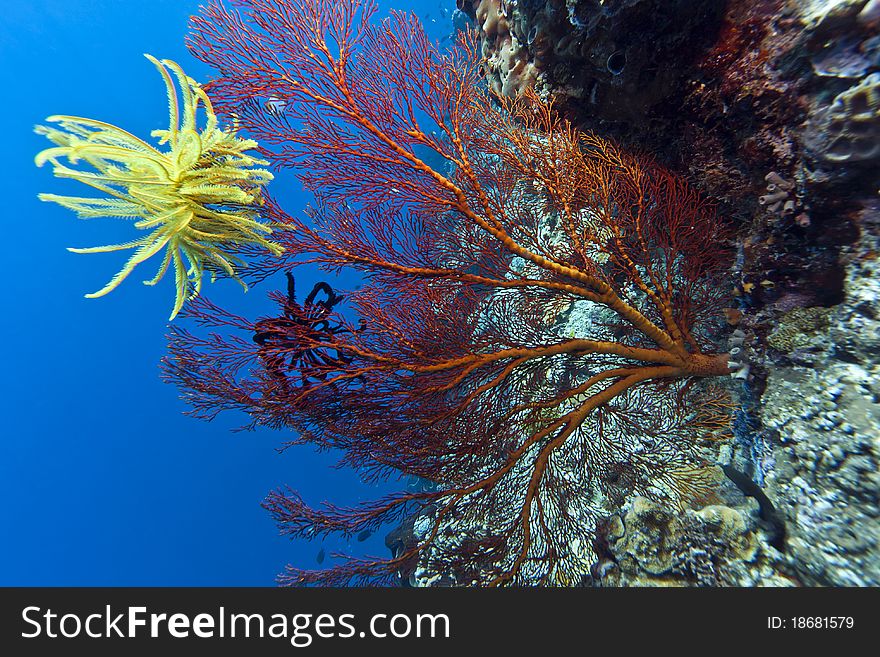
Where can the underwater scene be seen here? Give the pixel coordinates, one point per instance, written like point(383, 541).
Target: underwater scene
point(557, 293)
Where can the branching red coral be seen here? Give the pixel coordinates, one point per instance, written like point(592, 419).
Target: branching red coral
point(479, 224)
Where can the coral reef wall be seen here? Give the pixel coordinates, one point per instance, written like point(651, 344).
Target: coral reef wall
point(821, 410)
point(617, 59)
point(772, 108)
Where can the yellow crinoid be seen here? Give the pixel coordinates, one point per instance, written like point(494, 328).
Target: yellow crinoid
point(199, 198)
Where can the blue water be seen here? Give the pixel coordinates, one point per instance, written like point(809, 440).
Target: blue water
point(103, 480)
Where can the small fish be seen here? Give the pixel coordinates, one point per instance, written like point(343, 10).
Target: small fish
point(275, 106)
point(768, 512)
point(320, 557)
point(364, 535)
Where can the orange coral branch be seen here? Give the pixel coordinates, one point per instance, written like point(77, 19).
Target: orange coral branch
point(458, 372)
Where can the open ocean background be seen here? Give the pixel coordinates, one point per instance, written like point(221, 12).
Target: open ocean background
point(103, 480)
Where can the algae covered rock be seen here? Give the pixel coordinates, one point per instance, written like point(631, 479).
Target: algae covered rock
point(714, 546)
point(824, 421)
point(800, 328)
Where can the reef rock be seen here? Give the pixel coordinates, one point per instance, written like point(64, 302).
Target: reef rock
point(713, 546)
point(822, 413)
point(616, 58)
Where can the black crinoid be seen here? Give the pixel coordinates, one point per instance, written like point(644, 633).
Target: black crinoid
point(302, 338)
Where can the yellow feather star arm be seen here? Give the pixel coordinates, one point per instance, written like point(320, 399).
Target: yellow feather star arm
point(198, 198)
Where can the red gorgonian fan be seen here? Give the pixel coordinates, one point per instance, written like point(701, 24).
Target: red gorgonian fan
point(538, 304)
